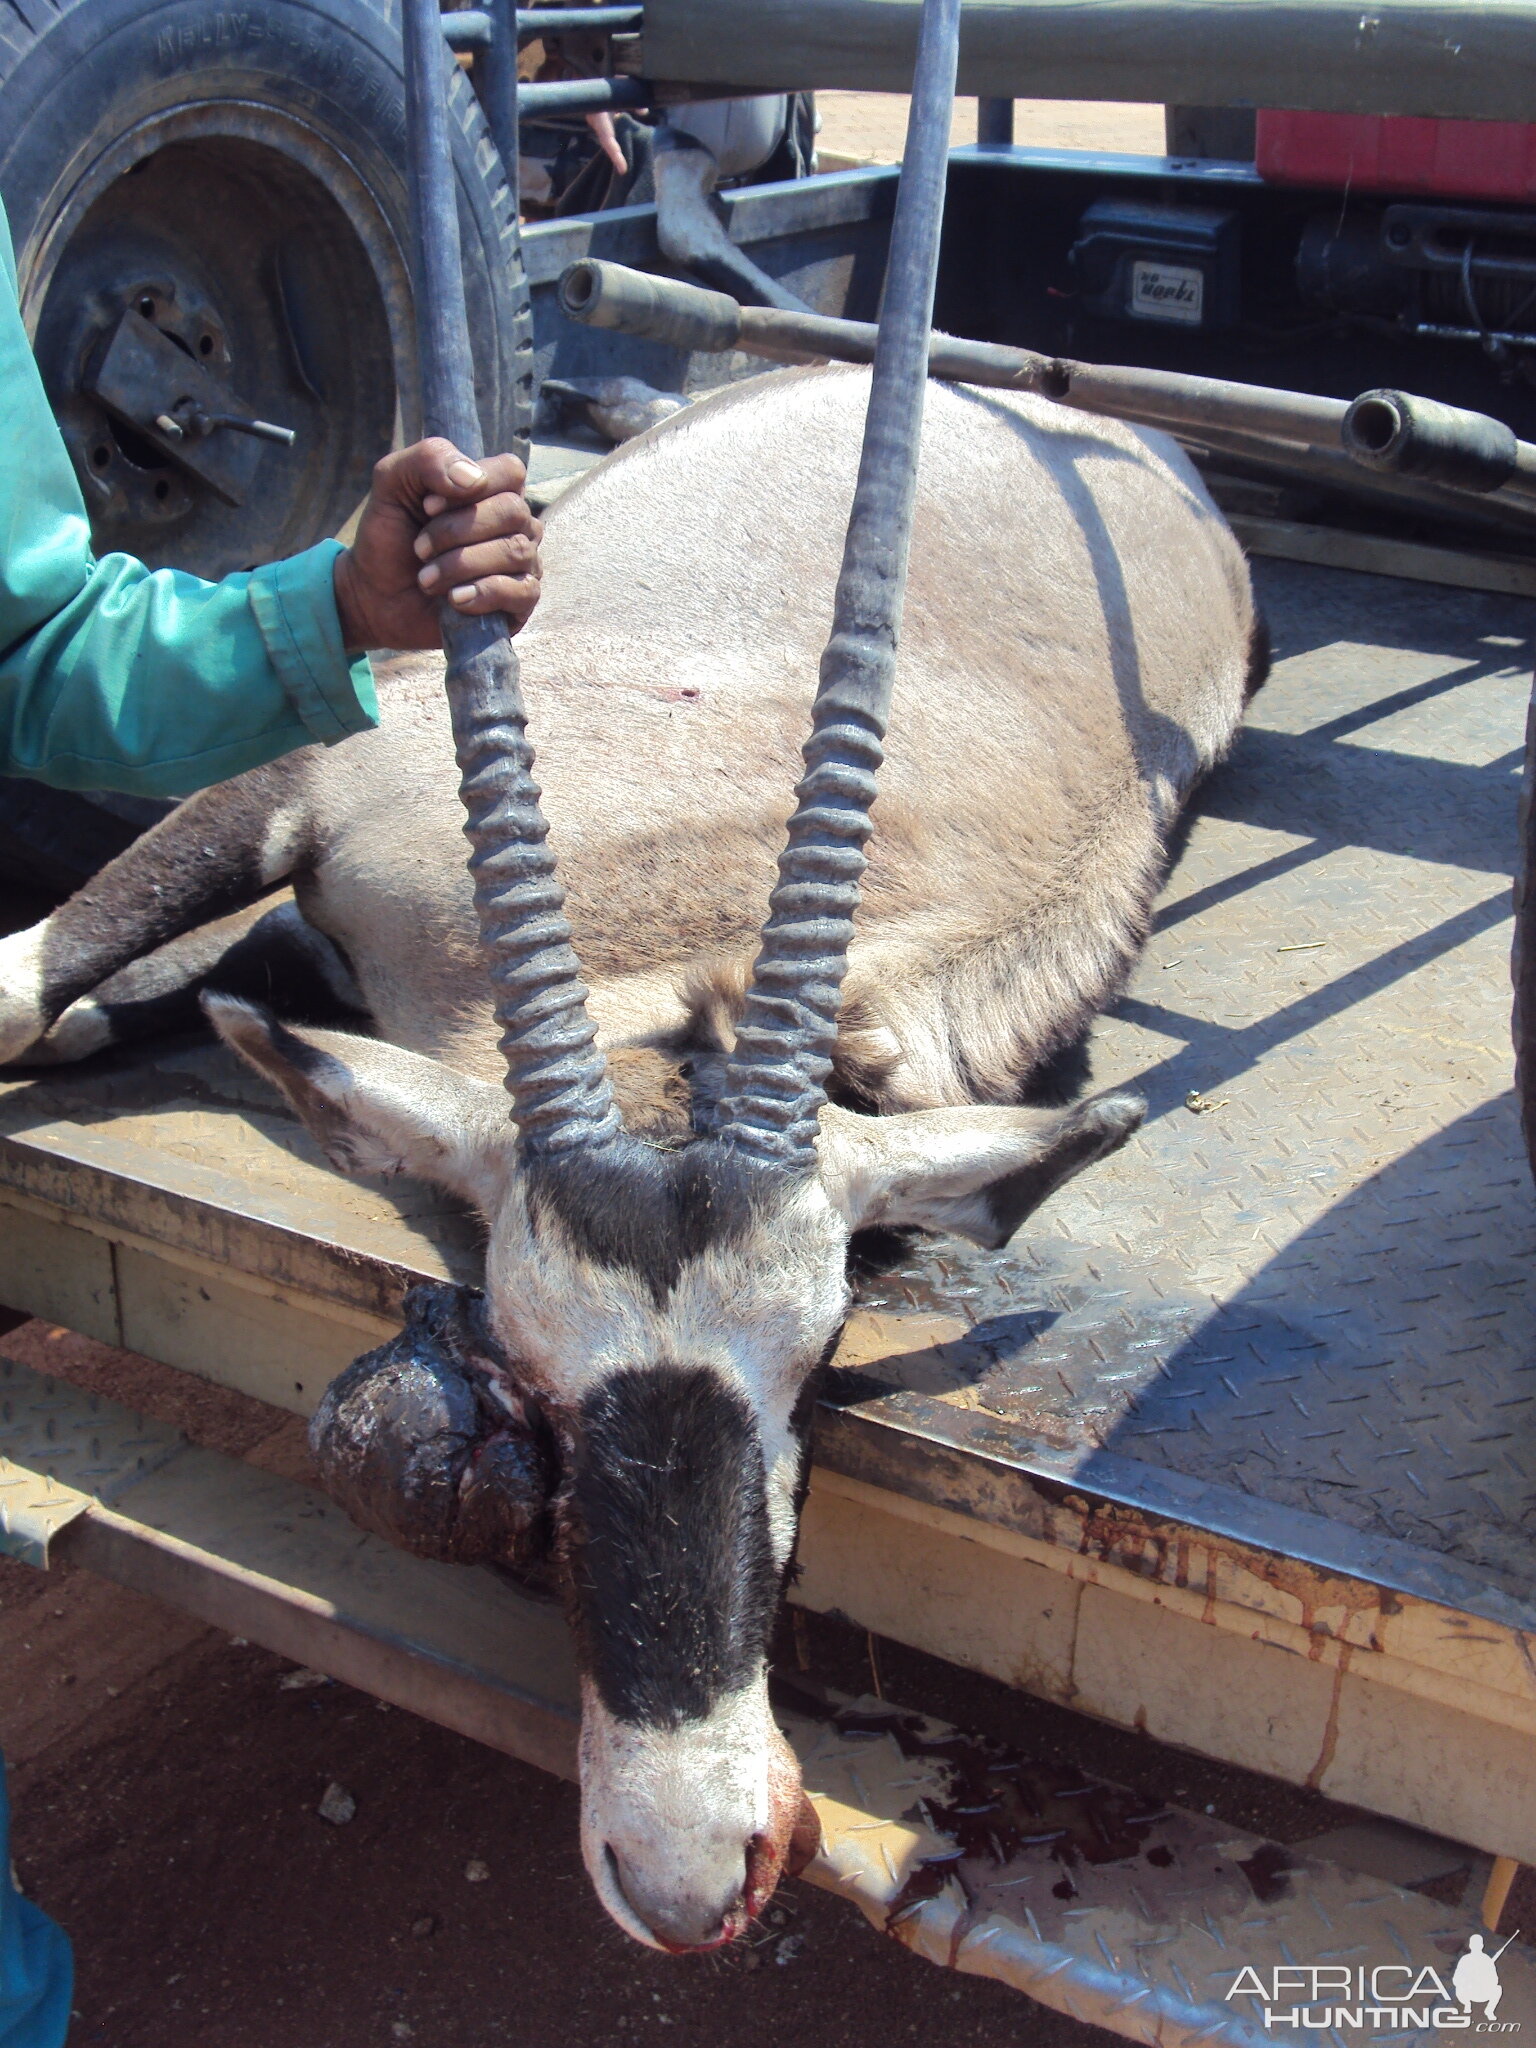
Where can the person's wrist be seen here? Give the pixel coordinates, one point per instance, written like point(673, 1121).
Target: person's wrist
point(349, 610)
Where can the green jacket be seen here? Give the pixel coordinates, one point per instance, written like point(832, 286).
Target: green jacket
point(114, 676)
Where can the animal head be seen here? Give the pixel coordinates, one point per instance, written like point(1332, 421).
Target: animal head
point(655, 1319)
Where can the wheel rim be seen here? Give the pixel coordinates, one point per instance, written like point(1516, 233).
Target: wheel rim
point(260, 252)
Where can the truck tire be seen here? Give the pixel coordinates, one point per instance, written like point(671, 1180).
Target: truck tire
point(1523, 952)
point(235, 175)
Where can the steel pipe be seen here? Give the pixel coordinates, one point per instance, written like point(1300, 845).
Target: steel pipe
point(477, 28)
point(467, 29)
point(601, 294)
point(1467, 58)
point(665, 309)
point(582, 95)
point(557, 21)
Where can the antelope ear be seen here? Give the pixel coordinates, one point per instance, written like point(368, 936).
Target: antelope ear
point(977, 1171)
point(375, 1108)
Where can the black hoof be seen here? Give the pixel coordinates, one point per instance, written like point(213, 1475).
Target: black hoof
point(414, 1442)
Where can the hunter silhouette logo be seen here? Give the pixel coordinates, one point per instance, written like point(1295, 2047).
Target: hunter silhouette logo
point(1475, 1979)
point(1382, 1997)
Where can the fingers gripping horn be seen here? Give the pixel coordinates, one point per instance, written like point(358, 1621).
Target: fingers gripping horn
point(557, 1077)
point(776, 1084)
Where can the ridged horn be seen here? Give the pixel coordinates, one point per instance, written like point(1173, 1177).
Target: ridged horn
point(776, 1081)
point(557, 1077)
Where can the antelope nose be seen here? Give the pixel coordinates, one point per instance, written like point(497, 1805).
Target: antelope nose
point(683, 1918)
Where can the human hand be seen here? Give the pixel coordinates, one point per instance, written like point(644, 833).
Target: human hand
point(437, 526)
point(606, 134)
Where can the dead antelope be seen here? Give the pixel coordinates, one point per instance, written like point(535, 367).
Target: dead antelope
point(1075, 654)
point(668, 1209)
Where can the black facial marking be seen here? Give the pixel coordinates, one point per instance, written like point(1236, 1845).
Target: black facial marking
point(627, 1204)
point(675, 1586)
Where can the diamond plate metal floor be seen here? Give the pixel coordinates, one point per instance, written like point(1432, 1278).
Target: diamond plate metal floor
point(1311, 1279)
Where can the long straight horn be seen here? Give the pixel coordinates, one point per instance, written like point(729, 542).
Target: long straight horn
point(776, 1084)
point(557, 1077)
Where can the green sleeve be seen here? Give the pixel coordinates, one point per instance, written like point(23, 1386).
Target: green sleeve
point(113, 676)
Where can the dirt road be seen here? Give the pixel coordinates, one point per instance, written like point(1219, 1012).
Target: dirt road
point(867, 127)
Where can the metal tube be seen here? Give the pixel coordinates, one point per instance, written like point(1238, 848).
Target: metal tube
point(557, 1079)
point(475, 28)
point(578, 19)
point(664, 309)
point(1169, 398)
point(582, 95)
point(602, 294)
point(496, 81)
point(994, 123)
point(1467, 58)
point(775, 1085)
point(555, 21)
point(469, 28)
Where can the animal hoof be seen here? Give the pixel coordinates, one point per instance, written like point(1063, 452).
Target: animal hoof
point(413, 1442)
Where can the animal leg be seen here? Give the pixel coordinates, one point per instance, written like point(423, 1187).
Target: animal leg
point(266, 955)
point(216, 853)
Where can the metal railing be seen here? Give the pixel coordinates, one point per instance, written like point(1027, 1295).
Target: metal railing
point(493, 34)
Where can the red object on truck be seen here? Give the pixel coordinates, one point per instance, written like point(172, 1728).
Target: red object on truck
point(1400, 153)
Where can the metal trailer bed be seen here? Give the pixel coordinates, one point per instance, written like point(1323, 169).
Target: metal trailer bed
point(1233, 1445)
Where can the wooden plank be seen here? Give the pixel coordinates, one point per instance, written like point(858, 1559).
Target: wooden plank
point(284, 1237)
point(1334, 547)
point(51, 1269)
point(1470, 59)
point(276, 1349)
point(899, 1565)
point(1186, 1668)
point(270, 1559)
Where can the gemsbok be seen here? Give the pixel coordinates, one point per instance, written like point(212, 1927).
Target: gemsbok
point(665, 1268)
